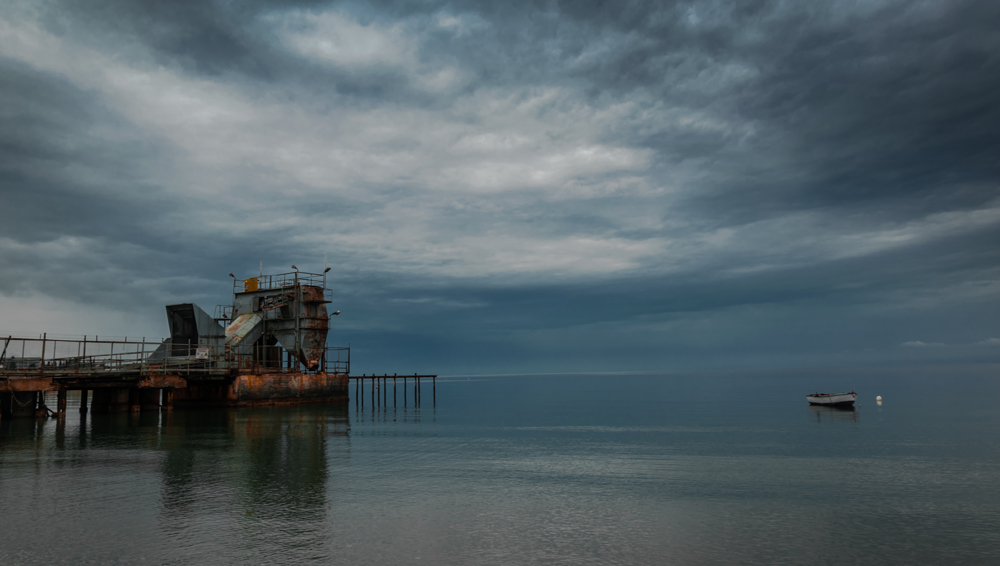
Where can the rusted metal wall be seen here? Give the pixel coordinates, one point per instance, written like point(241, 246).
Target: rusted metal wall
point(264, 389)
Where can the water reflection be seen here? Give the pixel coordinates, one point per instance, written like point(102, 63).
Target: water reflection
point(256, 483)
point(833, 414)
point(574, 470)
point(258, 476)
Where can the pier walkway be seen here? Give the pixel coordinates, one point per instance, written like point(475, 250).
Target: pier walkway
point(128, 374)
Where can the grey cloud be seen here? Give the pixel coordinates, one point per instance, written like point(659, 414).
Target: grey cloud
point(776, 177)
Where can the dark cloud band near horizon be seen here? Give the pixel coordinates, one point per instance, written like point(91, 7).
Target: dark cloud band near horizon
point(535, 186)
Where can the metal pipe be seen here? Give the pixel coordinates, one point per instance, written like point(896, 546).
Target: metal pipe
point(298, 305)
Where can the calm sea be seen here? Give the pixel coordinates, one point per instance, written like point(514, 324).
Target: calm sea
point(715, 468)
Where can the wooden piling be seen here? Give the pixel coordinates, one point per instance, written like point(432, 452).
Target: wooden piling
point(83, 401)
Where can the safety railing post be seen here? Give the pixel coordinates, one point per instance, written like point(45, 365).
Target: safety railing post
point(41, 366)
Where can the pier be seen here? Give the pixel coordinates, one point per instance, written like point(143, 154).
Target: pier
point(139, 375)
point(380, 390)
point(267, 347)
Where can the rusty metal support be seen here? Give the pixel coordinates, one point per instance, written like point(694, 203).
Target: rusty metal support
point(41, 411)
point(61, 402)
point(41, 366)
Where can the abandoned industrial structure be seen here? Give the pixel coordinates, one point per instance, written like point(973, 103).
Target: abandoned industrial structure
point(267, 347)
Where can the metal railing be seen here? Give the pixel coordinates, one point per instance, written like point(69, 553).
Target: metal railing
point(62, 358)
point(223, 314)
point(279, 281)
point(337, 360)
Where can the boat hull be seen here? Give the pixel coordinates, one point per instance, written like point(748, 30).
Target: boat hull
point(837, 399)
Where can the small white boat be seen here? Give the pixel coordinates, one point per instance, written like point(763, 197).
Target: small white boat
point(842, 399)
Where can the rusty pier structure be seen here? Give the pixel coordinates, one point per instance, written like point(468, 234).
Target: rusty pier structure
point(267, 347)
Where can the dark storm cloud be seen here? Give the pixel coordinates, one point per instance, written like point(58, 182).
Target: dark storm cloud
point(51, 135)
point(537, 176)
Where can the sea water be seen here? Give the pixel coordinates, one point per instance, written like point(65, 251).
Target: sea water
point(660, 468)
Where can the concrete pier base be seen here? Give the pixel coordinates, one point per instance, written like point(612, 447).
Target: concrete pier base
point(149, 399)
point(24, 397)
point(111, 400)
point(23, 403)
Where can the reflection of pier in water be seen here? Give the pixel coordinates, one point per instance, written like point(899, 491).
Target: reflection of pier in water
point(269, 478)
point(833, 414)
point(267, 463)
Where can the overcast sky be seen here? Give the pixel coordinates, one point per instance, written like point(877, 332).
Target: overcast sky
point(516, 187)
